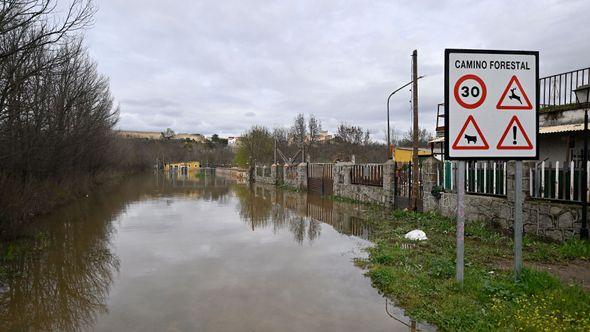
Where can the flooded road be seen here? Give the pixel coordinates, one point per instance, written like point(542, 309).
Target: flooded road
point(199, 254)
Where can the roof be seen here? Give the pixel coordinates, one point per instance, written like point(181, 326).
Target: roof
point(561, 128)
point(438, 139)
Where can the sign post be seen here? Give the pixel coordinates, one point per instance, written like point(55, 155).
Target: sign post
point(460, 260)
point(491, 113)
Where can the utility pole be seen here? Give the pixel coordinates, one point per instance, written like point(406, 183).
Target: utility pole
point(415, 174)
point(275, 151)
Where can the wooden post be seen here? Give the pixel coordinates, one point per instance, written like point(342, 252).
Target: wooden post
point(415, 180)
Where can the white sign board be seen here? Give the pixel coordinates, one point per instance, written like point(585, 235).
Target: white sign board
point(492, 102)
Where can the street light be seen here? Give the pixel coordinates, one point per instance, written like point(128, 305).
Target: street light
point(388, 98)
point(582, 94)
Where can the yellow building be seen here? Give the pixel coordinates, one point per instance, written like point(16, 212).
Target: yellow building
point(183, 167)
point(405, 154)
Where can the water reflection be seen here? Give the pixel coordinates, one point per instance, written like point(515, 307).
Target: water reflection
point(262, 206)
point(170, 252)
point(60, 278)
point(61, 283)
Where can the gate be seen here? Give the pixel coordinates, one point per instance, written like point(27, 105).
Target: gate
point(320, 179)
point(402, 186)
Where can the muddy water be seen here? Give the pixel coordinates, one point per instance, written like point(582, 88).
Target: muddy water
point(195, 254)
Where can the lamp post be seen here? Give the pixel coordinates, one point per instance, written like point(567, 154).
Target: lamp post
point(582, 95)
point(389, 98)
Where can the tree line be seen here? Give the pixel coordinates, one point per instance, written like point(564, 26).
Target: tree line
point(302, 141)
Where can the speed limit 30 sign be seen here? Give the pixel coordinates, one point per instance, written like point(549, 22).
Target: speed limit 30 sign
point(491, 100)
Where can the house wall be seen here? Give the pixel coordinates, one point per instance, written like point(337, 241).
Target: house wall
point(554, 147)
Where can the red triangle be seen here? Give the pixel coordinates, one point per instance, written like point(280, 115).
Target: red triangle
point(524, 106)
point(466, 146)
point(502, 146)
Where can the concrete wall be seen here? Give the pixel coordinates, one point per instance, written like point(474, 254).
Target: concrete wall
point(554, 147)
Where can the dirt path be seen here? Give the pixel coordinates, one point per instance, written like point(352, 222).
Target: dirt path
point(573, 272)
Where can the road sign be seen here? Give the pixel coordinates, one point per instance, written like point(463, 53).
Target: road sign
point(470, 137)
point(517, 99)
point(470, 91)
point(514, 137)
point(492, 102)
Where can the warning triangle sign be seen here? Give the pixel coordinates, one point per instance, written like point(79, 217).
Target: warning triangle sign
point(514, 97)
point(514, 137)
point(470, 137)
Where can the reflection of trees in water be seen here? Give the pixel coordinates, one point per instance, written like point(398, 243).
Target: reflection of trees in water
point(62, 280)
point(61, 283)
point(265, 206)
point(255, 210)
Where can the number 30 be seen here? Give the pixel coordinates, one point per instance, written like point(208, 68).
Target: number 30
point(465, 91)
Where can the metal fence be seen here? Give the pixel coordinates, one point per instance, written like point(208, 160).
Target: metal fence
point(320, 170)
point(367, 175)
point(556, 180)
point(558, 89)
point(481, 177)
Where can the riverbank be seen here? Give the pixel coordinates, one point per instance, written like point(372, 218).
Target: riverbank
point(24, 202)
point(419, 276)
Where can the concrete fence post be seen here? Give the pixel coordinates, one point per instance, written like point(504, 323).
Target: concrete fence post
point(429, 167)
point(273, 174)
point(388, 177)
point(302, 176)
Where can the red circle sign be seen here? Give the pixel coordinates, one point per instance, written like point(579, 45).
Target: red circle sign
point(474, 92)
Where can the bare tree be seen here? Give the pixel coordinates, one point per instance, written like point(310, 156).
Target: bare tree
point(298, 130)
point(315, 127)
point(424, 136)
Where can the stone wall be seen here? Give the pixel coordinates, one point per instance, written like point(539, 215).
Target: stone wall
point(295, 176)
point(367, 194)
point(264, 174)
point(238, 174)
point(547, 218)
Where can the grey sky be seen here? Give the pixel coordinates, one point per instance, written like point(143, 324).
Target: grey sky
point(222, 66)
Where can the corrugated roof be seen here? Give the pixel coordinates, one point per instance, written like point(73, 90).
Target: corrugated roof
point(561, 128)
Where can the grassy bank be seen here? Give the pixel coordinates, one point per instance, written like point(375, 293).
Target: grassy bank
point(419, 276)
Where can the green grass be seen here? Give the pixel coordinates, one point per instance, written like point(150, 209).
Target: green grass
point(420, 277)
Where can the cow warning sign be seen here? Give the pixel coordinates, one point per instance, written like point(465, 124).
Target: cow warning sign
point(470, 137)
point(491, 100)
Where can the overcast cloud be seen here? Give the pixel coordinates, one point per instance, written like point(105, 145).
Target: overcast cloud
point(221, 66)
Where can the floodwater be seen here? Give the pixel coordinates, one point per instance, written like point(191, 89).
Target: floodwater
point(162, 253)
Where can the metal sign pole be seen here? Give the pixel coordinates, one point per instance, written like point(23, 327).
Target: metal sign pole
point(518, 219)
point(460, 221)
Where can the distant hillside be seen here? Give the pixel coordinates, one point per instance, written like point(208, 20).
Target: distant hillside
point(159, 135)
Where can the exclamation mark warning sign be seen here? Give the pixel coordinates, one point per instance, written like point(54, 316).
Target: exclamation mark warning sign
point(519, 138)
point(514, 135)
